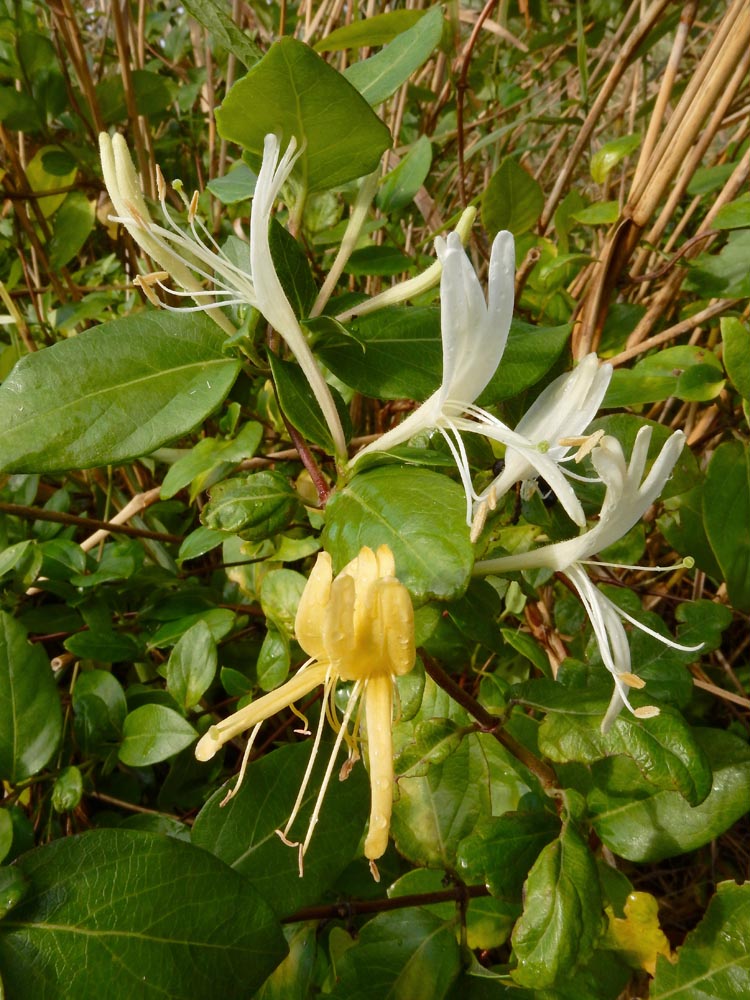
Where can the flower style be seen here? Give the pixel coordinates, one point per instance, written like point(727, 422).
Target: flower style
point(628, 496)
point(554, 423)
point(358, 627)
point(193, 259)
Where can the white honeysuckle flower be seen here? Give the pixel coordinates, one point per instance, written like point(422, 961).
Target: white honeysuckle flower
point(194, 260)
point(474, 333)
point(560, 414)
point(628, 496)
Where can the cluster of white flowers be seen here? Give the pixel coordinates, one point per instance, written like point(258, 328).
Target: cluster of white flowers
point(474, 334)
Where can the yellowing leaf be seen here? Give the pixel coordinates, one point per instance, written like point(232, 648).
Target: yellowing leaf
point(638, 936)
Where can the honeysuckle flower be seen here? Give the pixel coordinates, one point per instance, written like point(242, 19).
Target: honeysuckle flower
point(553, 424)
point(358, 627)
point(194, 260)
point(627, 498)
point(474, 334)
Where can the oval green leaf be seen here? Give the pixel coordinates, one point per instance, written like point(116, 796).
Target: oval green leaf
point(172, 920)
point(341, 137)
point(422, 517)
point(153, 733)
point(30, 713)
point(112, 393)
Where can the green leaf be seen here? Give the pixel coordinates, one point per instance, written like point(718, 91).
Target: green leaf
point(301, 407)
point(112, 393)
point(690, 373)
point(726, 515)
point(99, 708)
point(664, 748)
point(274, 660)
point(153, 733)
point(192, 665)
point(238, 184)
point(513, 200)
point(293, 269)
point(639, 825)
point(724, 273)
point(610, 154)
point(529, 354)
point(422, 517)
point(402, 183)
point(370, 31)
point(68, 790)
point(258, 505)
point(736, 340)
point(397, 353)
point(562, 918)
point(714, 960)
point(439, 805)
point(243, 832)
point(502, 850)
point(408, 953)
point(734, 215)
point(30, 713)
point(72, 223)
point(172, 920)
point(213, 15)
point(380, 76)
point(13, 885)
point(601, 213)
point(210, 458)
point(340, 136)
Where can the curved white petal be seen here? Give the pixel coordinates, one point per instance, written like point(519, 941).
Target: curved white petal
point(563, 410)
point(271, 299)
point(625, 502)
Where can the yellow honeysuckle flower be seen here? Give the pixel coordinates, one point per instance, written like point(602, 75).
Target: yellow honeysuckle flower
point(358, 627)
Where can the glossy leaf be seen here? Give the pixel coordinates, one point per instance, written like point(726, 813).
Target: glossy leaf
point(562, 918)
point(377, 30)
point(606, 158)
point(664, 747)
point(342, 138)
point(192, 665)
point(402, 183)
point(301, 407)
point(112, 393)
point(30, 713)
point(419, 514)
point(408, 953)
point(153, 733)
point(209, 458)
point(714, 960)
point(258, 505)
point(726, 515)
point(437, 806)
point(639, 825)
point(397, 353)
point(503, 849)
point(243, 833)
point(189, 928)
point(214, 16)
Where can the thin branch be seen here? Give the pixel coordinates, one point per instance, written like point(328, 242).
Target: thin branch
point(36, 514)
point(354, 907)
